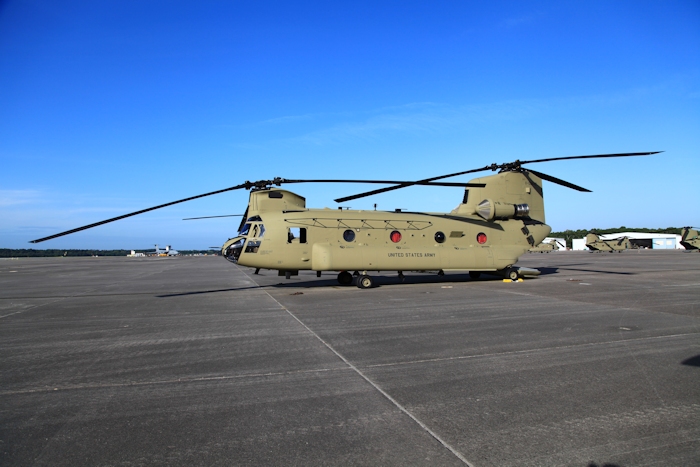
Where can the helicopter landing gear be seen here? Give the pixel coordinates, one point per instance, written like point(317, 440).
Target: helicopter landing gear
point(402, 278)
point(474, 274)
point(344, 278)
point(365, 282)
point(511, 274)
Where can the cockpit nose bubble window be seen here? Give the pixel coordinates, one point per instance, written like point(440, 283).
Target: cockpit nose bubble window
point(233, 252)
point(348, 235)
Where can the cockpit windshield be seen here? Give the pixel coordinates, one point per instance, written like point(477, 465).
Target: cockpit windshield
point(252, 230)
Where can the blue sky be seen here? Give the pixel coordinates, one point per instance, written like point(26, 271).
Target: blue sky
point(114, 106)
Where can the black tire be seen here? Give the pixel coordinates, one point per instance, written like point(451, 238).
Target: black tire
point(365, 282)
point(344, 278)
point(512, 274)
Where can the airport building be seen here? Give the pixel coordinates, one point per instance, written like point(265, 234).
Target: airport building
point(655, 241)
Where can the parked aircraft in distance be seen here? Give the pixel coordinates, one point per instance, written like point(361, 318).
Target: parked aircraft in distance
point(595, 243)
point(168, 251)
point(690, 238)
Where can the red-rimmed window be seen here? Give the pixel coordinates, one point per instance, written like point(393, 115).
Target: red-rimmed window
point(481, 238)
point(395, 236)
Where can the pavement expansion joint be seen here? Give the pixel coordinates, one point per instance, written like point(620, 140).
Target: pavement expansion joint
point(379, 389)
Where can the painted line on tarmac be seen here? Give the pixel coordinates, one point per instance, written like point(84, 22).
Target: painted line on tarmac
point(375, 386)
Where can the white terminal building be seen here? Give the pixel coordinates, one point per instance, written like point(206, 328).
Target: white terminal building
point(655, 241)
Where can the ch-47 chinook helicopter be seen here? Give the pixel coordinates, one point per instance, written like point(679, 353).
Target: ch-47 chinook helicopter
point(690, 238)
point(546, 247)
point(595, 243)
point(500, 218)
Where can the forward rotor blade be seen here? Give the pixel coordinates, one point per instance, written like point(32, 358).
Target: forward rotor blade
point(85, 227)
point(243, 219)
point(426, 181)
point(391, 182)
point(210, 217)
point(626, 154)
point(558, 181)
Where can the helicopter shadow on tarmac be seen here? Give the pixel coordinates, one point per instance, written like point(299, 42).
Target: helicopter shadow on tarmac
point(554, 270)
point(386, 280)
point(692, 361)
point(332, 282)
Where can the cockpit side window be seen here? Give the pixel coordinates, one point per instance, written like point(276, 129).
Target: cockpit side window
point(244, 231)
point(257, 231)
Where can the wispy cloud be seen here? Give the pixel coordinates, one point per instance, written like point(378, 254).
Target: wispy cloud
point(517, 21)
point(525, 19)
point(18, 197)
point(430, 118)
point(417, 118)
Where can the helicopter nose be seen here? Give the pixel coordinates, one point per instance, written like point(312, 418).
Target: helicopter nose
point(539, 232)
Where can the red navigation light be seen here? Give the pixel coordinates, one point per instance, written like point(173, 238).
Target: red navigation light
point(395, 236)
point(481, 238)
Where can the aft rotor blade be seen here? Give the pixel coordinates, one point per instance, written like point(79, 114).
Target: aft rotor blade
point(427, 181)
point(210, 217)
point(626, 154)
point(558, 181)
point(85, 227)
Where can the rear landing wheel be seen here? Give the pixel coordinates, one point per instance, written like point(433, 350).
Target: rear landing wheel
point(365, 282)
point(344, 278)
point(512, 274)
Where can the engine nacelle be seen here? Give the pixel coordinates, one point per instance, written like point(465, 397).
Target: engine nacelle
point(490, 210)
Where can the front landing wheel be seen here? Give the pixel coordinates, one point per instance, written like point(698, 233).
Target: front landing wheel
point(512, 274)
point(365, 282)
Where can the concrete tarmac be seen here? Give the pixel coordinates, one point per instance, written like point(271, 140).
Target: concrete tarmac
point(195, 361)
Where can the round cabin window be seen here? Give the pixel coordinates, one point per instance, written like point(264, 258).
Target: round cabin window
point(395, 236)
point(481, 238)
point(439, 237)
point(348, 235)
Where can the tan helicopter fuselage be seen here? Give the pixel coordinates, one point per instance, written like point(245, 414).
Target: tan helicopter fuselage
point(545, 247)
point(595, 243)
point(690, 239)
point(281, 233)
